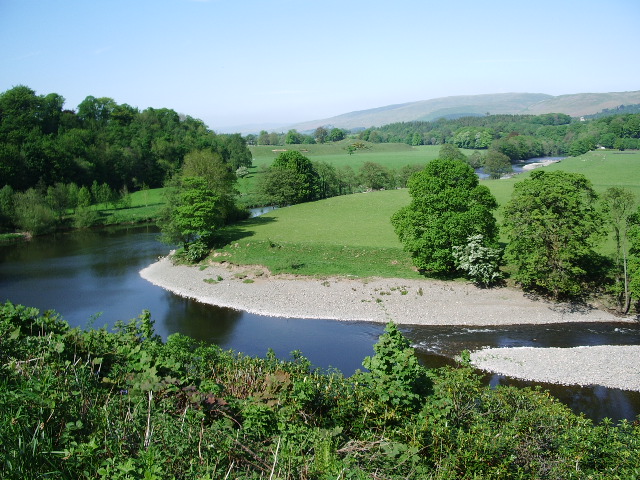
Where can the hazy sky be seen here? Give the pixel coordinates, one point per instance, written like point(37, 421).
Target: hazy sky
point(238, 62)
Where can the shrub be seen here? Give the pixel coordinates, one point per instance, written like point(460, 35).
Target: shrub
point(480, 263)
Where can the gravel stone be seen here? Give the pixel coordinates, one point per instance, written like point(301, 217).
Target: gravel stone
point(415, 302)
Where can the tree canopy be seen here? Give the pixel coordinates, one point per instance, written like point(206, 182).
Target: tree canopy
point(553, 225)
point(290, 179)
point(518, 136)
point(41, 143)
point(447, 206)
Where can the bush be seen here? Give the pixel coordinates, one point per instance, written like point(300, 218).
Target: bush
point(124, 404)
point(480, 263)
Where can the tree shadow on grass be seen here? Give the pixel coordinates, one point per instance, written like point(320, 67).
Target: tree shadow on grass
point(239, 231)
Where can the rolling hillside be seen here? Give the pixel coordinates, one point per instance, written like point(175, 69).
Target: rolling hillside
point(511, 103)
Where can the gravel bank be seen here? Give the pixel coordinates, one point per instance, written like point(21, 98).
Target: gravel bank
point(607, 365)
point(418, 302)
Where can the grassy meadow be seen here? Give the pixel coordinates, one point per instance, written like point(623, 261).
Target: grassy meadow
point(145, 206)
point(352, 234)
point(390, 155)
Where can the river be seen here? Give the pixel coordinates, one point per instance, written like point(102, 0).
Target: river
point(91, 278)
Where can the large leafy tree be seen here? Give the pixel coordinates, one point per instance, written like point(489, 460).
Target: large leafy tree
point(239, 154)
point(553, 224)
point(447, 206)
point(375, 176)
point(291, 179)
point(496, 164)
point(201, 198)
point(192, 212)
point(451, 152)
point(320, 134)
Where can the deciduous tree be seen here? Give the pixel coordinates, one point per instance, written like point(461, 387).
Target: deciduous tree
point(192, 212)
point(321, 134)
point(496, 164)
point(634, 257)
point(291, 178)
point(618, 205)
point(553, 226)
point(374, 176)
point(447, 206)
point(451, 152)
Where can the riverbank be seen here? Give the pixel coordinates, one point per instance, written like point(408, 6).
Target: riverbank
point(607, 365)
point(415, 302)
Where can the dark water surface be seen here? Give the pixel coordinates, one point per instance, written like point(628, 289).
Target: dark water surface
point(91, 278)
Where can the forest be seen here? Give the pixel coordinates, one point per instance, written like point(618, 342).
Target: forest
point(43, 143)
point(518, 136)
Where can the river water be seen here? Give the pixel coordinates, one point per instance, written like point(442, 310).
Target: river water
point(91, 278)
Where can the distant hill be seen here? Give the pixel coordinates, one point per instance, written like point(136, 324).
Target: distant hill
point(576, 105)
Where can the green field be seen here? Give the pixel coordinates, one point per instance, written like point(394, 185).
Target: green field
point(352, 235)
point(145, 206)
point(347, 235)
point(390, 155)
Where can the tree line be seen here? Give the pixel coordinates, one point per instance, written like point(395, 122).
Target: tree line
point(41, 211)
point(293, 137)
point(293, 178)
point(43, 143)
point(518, 136)
point(553, 223)
point(55, 163)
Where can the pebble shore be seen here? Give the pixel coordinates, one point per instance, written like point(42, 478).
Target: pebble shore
point(416, 302)
point(607, 365)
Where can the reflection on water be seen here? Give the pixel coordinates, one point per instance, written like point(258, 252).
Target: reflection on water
point(81, 274)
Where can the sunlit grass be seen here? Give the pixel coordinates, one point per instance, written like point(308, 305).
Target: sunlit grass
point(353, 234)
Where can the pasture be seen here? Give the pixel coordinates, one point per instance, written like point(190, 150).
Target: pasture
point(352, 234)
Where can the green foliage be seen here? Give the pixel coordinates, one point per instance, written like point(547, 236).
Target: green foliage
point(634, 257)
point(192, 213)
point(117, 145)
point(395, 376)
point(517, 136)
point(85, 217)
point(618, 204)
point(337, 134)
point(496, 164)
point(291, 179)
point(451, 152)
point(124, 404)
point(479, 262)
point(374, 176)
point(553, 226)
point(32, 213)
point(447, 206)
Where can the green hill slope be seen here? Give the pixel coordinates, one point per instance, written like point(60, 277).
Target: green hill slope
point(509, 103)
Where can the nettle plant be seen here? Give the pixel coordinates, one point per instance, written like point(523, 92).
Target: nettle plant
point(479, 262)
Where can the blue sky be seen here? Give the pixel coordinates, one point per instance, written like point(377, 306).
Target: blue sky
point(239, 62)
